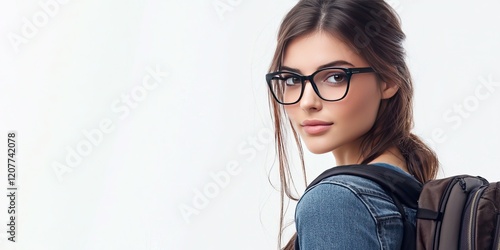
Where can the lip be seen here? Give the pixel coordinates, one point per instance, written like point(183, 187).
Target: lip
point(315, 123)
point(315, 127)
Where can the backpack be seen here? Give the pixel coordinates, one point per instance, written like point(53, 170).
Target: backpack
point(458, 212)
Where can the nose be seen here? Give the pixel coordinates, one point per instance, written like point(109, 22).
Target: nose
point(310, 101)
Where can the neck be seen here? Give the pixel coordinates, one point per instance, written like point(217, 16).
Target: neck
point(394, 157)
point(350, 154)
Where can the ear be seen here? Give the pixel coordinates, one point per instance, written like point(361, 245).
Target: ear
point(388, 90)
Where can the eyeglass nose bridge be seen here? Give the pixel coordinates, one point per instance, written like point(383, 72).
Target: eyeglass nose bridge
point(310, 79)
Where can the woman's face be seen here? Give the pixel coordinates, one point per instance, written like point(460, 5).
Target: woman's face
point(345, 120)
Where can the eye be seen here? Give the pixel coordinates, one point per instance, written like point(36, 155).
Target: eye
point(291, 80)
point(336, 78)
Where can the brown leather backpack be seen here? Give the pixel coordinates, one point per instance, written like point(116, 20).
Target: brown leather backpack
point(458, 212)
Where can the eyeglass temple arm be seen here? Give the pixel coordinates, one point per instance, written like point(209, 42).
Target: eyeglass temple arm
point(361, 70)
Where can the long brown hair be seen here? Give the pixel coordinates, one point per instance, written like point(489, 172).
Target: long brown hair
point(372, 29)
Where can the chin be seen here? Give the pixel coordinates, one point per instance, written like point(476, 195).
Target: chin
point(318, 149)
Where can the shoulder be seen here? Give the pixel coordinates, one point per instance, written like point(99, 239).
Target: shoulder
point(333, 189)
point(331, 200)
point(338, 207)
point(349, 189)
point(346, 193)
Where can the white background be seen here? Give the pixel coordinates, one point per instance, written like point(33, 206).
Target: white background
point(173, 147)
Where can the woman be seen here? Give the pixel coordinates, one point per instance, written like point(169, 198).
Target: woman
point(340, 83)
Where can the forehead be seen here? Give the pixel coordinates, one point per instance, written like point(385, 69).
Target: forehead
point(310, 52)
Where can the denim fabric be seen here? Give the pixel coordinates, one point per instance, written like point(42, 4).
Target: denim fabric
point(349, 212)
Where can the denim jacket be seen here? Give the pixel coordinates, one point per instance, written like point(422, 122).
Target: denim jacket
point(349, 212)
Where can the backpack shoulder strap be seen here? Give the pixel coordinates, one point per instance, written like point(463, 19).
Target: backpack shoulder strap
point(405, 188)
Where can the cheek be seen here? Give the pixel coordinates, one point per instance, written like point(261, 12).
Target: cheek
point(359, 109)
point(292, 111)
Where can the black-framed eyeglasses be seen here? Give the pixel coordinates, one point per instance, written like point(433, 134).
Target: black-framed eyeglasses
point(330, 84)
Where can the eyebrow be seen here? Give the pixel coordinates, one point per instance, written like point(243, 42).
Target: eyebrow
point(330, 64)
